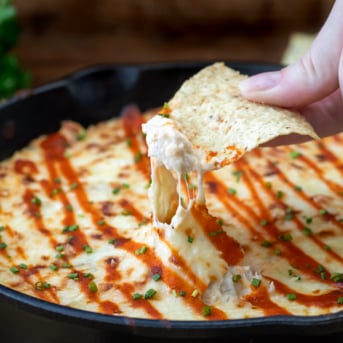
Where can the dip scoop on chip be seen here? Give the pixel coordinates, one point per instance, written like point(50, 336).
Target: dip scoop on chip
point(207, 125)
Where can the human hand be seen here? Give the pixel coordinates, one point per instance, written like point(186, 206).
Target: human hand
point(313, 85)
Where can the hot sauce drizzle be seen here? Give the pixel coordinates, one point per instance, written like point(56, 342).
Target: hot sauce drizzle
point(260, 299)
point(56, 159)
point(58, 165)
point(132, 121)
point(230, 249)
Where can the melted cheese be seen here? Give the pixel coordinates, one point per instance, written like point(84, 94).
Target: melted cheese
point(75, 213)
point(172, 157)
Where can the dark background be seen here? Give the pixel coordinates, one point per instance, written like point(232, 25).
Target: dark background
point(61, 36)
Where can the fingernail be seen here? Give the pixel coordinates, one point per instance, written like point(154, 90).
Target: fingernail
point(260, 82)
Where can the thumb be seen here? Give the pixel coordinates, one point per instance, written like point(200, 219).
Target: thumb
point(310, 79)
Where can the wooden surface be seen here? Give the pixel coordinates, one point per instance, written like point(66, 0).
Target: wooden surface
point(59, 37)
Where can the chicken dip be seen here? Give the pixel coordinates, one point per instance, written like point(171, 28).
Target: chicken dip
point(140, 216)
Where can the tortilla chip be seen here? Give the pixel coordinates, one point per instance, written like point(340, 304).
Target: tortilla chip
point(221, 124)
point(207, 125)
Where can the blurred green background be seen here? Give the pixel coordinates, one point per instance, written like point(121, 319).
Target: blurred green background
point(12, 76)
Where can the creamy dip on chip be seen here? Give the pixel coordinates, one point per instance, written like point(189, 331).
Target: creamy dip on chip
point(205, 126)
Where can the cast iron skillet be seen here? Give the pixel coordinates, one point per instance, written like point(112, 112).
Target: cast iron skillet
point(89, 96)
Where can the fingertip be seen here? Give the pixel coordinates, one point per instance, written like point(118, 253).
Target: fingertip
point(258, 84)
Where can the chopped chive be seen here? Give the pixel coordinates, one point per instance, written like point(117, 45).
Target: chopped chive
point(66, 265)
point(92, 286)
point(53, 267)
point(266, 243)
point(69, 207)
point(340, 300)
point(56, 191)
point(307, 231)
point(60, 248)
point(256, 282)
point(40, 285)
point(156, 277)
point(285, 237)
point(279, 194)
point(126, 213)
point(322, 275)
point(73, 276)
point(58, 180)
point(137, 296)
point(81, 136)
point(195, 293)
point(236, 277)
point(319, 269)
point(182, 293)
point(192, 186)
point(14, 270)
point(138, 157)
point(116, 190)
point(128, 142)
point(268, 184)
point(111, 240)
point(87, 249)
point(298, 188)
point(71, 228)
point(186, 177)
point(23, 266)
point(206, 310)
point(88, 276)
point(322, 211)
point(289, 213)
point(264, 222)
point(150, 293)
point(238, 174)
point(36, 201)
point(308, 220)
point(291, 296)
point(190, 239)
point(143, 222)
point(232, 191)
point(336, 277)
point(141, 250)
point(295, 154)
point(277, 252)
point(3, 245)
point(147, 186)
point(74, 185)
point(101, 222)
